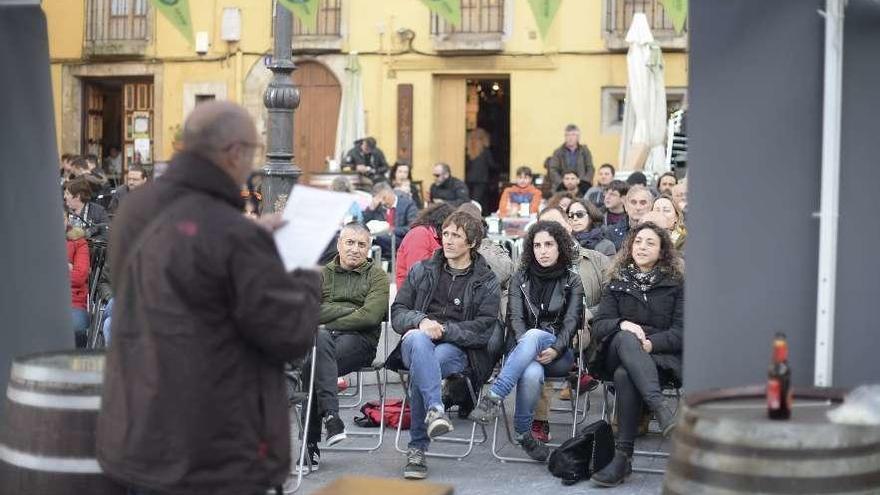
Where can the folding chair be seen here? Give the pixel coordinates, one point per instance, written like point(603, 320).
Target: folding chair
point(377, 367)
point(95, 339)
point(583, 338)
point(297, 398)
point(469, 441)
point(671, 388)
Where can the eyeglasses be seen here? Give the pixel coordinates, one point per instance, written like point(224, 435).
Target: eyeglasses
point(577, 214)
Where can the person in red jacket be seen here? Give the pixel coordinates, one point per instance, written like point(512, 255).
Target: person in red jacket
point(78, 266)
point(422, 239)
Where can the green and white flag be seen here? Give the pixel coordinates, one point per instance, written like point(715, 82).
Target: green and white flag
point(677, 11)
point(448, 9)
point(306, 10)
point(544, 11)
point(177, 13)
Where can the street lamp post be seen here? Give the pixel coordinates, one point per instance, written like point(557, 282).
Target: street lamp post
point(281, 99)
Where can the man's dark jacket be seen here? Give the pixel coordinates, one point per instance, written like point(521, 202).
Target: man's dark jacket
point(558, 165)
point(452, 191)
point(205, 316)
point(404, 214)
point(480, 325)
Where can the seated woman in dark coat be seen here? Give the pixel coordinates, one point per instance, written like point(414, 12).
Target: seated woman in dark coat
point(587, 228)
point(638, 330)
point(545, 310)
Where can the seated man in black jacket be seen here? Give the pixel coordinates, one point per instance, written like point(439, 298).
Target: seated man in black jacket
point(82, 213)
point(446, 311)
point(446, 188)
point(394, 207)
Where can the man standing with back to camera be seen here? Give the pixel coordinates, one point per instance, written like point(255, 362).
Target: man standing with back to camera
point(205, 318)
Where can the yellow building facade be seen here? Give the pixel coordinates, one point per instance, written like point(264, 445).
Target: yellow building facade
point(123, 76)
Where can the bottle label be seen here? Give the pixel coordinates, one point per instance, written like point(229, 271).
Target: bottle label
point(774, 394)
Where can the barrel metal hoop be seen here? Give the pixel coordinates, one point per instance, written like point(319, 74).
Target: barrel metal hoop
point(37, 373)
point(76, 465)
point(772, 484)
point(54, 401)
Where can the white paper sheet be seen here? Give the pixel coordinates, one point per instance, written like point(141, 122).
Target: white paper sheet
point(313, 217)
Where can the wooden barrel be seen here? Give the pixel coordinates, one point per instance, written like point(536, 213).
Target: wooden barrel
point(47, 446)
point(725, 445)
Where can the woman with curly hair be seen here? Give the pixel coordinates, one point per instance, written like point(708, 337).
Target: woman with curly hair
point(422, 239)
point(638, 333)
point(545, 310)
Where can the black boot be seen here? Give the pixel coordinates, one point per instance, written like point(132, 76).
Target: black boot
point(666, 418)
point(615, 472)
point(80, 339)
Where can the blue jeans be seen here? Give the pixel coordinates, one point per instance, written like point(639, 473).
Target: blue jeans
point(432, 362)
point(523, 371)
point(108, 318)
point(80, 319)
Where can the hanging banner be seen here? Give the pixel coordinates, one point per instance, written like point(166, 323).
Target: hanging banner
point(677, 11)
point(544, 12)
point(177, 13)
point(448, 9)
point(305, 10)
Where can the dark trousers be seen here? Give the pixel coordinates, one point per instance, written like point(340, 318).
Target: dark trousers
point(480, 193)
point(636, 381)
point(338, 354)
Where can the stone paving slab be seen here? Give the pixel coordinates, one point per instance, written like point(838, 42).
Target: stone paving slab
point(480, 473)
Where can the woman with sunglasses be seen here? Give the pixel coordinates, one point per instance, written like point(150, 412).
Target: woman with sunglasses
point(586, 227)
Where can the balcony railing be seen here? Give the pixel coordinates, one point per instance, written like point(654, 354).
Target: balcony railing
point(482, 27)
point(619, 15)
point(117, 27)
point(327, 35)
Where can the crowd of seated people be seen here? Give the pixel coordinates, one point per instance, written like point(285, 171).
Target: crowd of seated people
point(589, 260)
point(605, 258)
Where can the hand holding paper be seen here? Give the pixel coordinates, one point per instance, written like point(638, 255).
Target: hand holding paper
point(313, 216)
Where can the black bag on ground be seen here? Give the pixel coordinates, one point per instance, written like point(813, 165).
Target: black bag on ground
point(584, 454)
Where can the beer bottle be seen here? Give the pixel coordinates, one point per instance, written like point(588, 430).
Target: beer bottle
point(779, 394)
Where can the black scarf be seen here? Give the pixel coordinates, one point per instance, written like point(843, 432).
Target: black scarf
point(543, 281)
point(640, 281)
point(591, 238)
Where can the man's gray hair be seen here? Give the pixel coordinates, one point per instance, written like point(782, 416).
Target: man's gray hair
point(572, 128)
point(446, 169)
point(220, 130)
point(355, 227)
point(381, 187)
point(340, 184)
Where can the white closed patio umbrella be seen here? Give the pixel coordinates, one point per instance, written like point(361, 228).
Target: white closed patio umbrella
point(644, 120)
point(351, 114)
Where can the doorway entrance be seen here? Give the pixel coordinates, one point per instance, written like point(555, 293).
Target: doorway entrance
point(315, 120)
point(487, 120)
point(118, 113)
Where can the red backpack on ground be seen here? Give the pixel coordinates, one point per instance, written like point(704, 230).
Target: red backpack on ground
point(393, 413)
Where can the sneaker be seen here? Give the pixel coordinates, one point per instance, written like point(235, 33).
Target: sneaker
point(313, 458)
point(438, 423)
point(532, 447)
point(487, 409)
point(416, 468)
point(541, 430)
point(335, 429)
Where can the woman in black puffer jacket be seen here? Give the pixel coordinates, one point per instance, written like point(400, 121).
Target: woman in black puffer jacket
point(545, 310)
point(638, 332)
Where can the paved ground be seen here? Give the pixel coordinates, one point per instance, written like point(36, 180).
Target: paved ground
point(480, 473)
